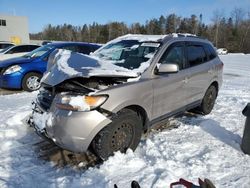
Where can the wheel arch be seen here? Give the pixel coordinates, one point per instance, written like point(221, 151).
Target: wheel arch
point(28, 72)
point(141, 113)
point(136, 108)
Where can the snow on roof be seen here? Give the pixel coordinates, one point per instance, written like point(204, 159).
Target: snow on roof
point(183, 34)
point(142, 38)
point(138, 37)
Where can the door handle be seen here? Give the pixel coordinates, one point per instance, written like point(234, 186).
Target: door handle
point(185, 80)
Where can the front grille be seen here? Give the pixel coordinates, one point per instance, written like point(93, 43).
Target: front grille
point(45, 99)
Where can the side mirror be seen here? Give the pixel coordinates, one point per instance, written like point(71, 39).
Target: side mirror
point(168, 68)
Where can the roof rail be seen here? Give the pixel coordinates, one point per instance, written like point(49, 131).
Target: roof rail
point(184, 35)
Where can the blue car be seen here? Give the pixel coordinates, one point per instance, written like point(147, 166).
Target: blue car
point(25, 72)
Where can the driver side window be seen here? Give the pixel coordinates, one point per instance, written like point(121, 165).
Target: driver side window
point(174, 55)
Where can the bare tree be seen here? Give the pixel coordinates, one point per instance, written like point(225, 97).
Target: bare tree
point(244, 37)
point(217, 17)
point(238, 15)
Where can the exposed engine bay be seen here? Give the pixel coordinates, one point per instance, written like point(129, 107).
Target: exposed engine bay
point(88, 84)
point(77, 85)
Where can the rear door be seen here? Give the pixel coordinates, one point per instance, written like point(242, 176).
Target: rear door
point(201, 73)
point(169, 92)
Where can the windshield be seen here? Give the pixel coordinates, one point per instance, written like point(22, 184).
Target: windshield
point(129, 54)
point(39, 51)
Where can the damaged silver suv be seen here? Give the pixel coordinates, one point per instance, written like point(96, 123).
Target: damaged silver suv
point(106, 100)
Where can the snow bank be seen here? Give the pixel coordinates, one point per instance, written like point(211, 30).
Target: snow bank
point(41, 120)
point(236, 64)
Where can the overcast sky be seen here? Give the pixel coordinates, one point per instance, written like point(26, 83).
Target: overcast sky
point(78, 12)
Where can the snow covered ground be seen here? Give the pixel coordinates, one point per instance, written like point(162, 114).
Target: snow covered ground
point(202, 146)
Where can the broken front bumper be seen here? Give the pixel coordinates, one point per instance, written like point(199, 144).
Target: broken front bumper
point(72, 131)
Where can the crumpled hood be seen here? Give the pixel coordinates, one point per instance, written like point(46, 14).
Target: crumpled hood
point(64, 64)
point(15, 61)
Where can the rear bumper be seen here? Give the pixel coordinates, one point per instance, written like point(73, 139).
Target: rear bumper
point(11, 81)
point(73, 131)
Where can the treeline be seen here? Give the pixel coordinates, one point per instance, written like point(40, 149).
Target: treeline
point(231, 32)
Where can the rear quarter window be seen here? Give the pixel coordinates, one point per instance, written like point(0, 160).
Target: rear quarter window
point(210, 51)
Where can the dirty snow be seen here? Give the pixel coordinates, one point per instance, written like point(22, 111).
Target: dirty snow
point(40, 120)
point(201, 146)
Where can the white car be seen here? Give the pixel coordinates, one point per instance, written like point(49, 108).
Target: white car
point(222, 51)
point(16, 51)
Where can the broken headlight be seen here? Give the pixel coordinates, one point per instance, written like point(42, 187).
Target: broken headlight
point(80, 103)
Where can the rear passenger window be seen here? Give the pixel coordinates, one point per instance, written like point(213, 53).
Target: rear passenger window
point(18, 49)
point(196, 55)
point(31, 48)
point(71, 48)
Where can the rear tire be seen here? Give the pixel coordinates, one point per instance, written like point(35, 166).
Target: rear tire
point(31, 81)
point(208, 100)
point(124, 132)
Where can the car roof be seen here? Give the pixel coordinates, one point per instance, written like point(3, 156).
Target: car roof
point(141, 38)
point(25, 45)
point(160, 38)
point(59, 44)
point(5, 42)
point(185, 37)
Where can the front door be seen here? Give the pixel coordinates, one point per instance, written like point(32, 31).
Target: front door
point(169, 94)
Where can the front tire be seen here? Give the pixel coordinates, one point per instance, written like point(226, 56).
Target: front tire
point(31, 81)
point(124, 132)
